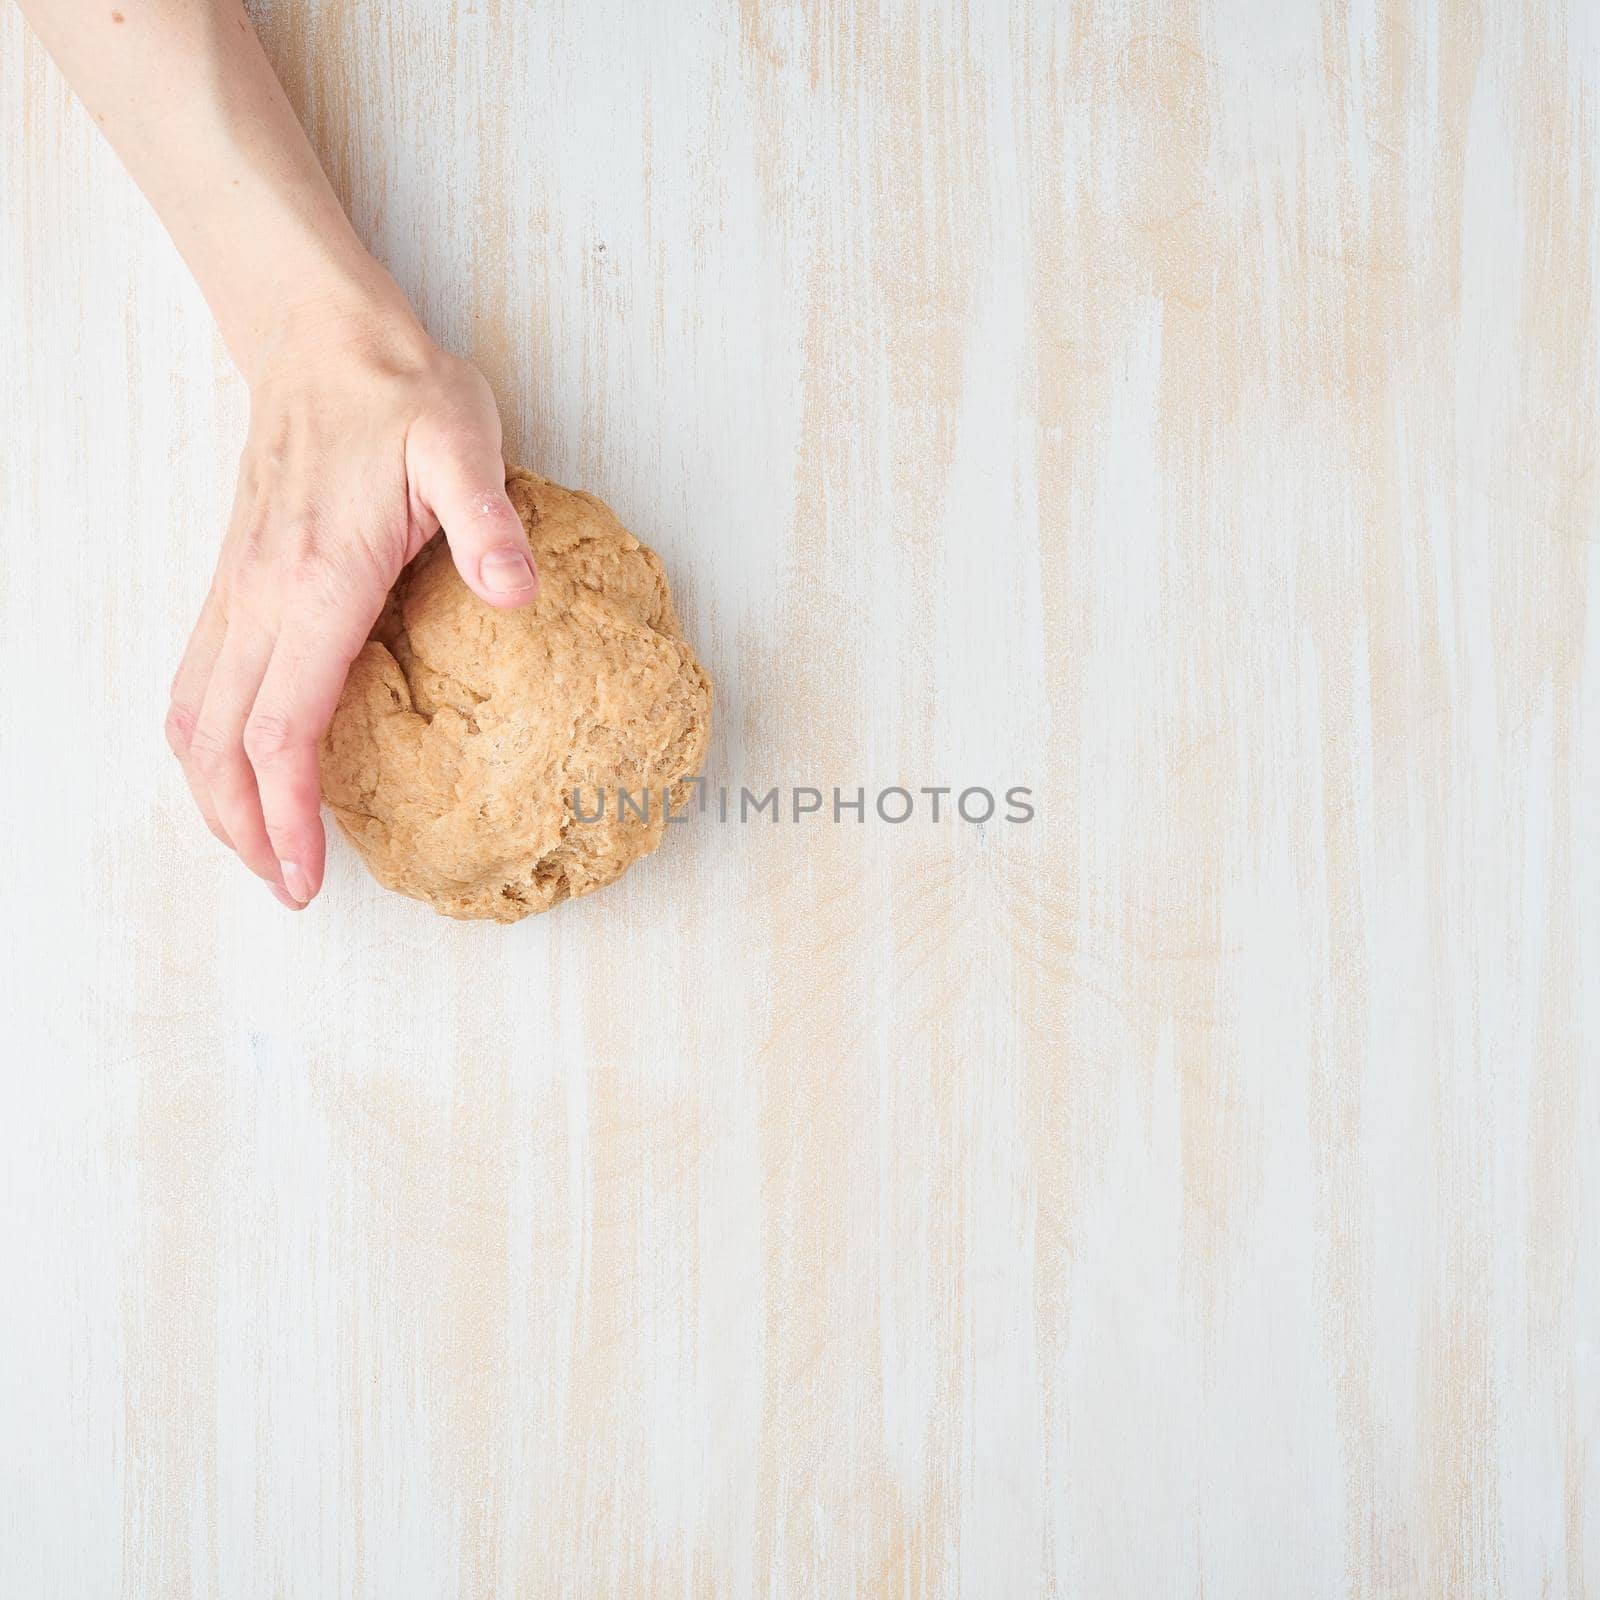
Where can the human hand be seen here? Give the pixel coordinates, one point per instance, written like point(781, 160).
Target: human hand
point(364, 440)
point(365, 437)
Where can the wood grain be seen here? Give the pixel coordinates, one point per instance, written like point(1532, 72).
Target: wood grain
point(1186, 410)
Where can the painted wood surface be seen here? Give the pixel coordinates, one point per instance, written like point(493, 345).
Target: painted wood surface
point(1189, 411)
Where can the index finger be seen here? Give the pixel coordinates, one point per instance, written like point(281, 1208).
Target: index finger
point(298, 696)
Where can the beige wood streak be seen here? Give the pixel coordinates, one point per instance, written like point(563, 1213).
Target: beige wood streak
point(1187, 410)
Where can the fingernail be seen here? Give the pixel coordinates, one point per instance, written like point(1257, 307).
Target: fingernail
point(505, 571)
point(284, 900)
point(295, 881)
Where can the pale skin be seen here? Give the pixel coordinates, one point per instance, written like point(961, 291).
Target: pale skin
point(365, 437)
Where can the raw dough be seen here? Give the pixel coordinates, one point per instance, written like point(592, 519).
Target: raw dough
point(463, 731)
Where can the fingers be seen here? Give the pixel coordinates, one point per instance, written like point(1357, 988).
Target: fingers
point(217, 748)
point(188, 694)
point(462, 482)
point(298, 695)
point(248, 712)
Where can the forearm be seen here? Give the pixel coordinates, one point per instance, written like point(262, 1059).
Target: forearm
point(186, 96)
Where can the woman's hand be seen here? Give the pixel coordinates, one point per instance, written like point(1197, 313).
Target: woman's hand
point(365, 438)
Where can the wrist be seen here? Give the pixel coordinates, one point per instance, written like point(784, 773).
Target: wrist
point(353, 315)
point(370, 327)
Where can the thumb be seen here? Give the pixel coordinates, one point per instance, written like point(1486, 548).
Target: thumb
point(465, 489)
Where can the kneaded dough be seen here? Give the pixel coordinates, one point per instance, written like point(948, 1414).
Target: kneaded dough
point(463, 731)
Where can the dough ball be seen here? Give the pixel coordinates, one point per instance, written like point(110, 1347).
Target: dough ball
point(463, 731)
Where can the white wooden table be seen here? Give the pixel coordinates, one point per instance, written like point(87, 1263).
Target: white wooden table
point(1189, 411)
